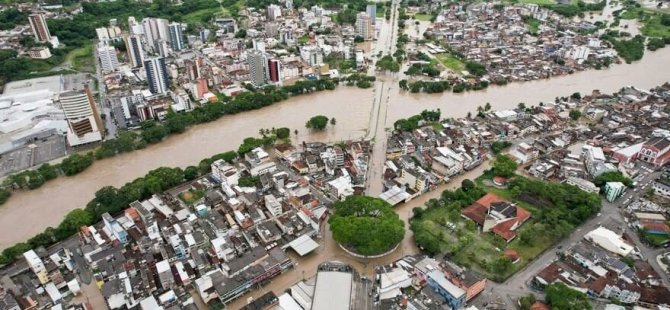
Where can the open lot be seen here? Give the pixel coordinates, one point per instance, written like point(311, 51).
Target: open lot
point(32, 155)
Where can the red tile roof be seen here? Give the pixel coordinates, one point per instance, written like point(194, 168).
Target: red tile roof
point(477, 210)
point(538, 305)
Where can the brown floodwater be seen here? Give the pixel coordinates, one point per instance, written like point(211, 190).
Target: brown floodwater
point(28, 213)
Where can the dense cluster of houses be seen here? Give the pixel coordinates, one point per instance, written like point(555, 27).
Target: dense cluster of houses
point(606, 265)
point(219, 235)
point(435, 284)
point(501, 39)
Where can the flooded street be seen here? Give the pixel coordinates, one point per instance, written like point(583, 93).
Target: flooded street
point(329, 250)
point(28, 213)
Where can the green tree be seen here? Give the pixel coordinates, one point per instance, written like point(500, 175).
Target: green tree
point(504, 166)
point(283, 133)
point(318, 122)
point(575, 114)
point(498, 146)
point(191, 172)
point(527, 301)
point(76, 163)
point(366, 225)
point(48, 172)
point(612, 176)
point(561, 297)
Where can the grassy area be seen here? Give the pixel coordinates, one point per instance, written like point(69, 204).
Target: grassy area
point(381, 12)
point(655, 240)
point(191, 196)
point(653, 27)
point(204, 15)
point(533, 25)
point(423, 17)
point(539, 2)
point(451, 62)
point(82, 59)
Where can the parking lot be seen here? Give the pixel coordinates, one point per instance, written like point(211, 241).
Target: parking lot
point(32, 155)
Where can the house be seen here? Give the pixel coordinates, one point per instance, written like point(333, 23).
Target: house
point(662, 187)
point(614, 190)
point(452, 294)
point(497, 216)
point(655, 151)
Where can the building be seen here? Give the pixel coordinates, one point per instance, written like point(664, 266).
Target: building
point(583, 184)
point(364, 27)
point(176, 37)
point(371, 10)
point(274, 69)
point(157, 75)
point(107, 56)
point(7, 301)
point(313, 55)
point(135, 50)
point(609, 241)
point(39, 53)
point(334, 282)
point(662, 187)
point(614, 190)
point(113, 226)
point(256, 62)
point(155, 30)
point(38, 24)
point(497, 216)
point(274, 12)
point(452, 294)
point(656, 151)
point(593, 157)
point(83, 120)
point(37, 266)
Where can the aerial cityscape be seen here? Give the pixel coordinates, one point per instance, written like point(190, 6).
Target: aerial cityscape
point(335, 155)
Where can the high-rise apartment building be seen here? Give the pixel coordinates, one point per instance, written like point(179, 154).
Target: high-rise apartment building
point(274, 12)
point(176, 37)
point(107, 56)
point(39, 26)
point(157, 75)
point(135, 50)
point(155, 30)
point(83, 119)
point(256, 61)
point(371, 10)
point(274, 69)
point(364, 26)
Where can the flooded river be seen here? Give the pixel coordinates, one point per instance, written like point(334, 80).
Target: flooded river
point(28, 213)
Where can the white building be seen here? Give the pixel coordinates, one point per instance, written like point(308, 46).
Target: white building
point(83, 119)
point(107, 56)
point(37, 266)
point(256, 62)
point(609, 240)
point(364, 26)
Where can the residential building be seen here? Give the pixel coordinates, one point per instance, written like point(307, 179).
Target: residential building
point(38, 24)
point(115, 228)
point(256, 62)
point(273, 12)
point(155, 30)
point(497, 216)
point(135, 50)
point(582, 184)
point(371, 10)
point(107, 57)
point(39, 53)
point(662, 187)
point(83, 119)
point(176, 37)
point(157, 75)
point(452, 294)
point(36, 264)
point(614, 190)
point(274, 70)
point(364, 26)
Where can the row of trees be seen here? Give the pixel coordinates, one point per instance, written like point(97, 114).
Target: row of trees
point(360, 80)
point(153, 132)
point(114, 200)
point(432, 87)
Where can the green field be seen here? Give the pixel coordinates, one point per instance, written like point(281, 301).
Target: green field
point(653, 27)
point(204, 15)
point(538, 2)
point(451, 62)
point(423, 17)
point(533, 25)
point(191, 196)
point(82, 59)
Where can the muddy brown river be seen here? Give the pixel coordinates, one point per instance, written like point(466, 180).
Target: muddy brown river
point(28, 213)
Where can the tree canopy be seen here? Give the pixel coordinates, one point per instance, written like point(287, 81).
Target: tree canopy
point(366, 225)
point(504, 166)
point(561, 297)
point(318, 122)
